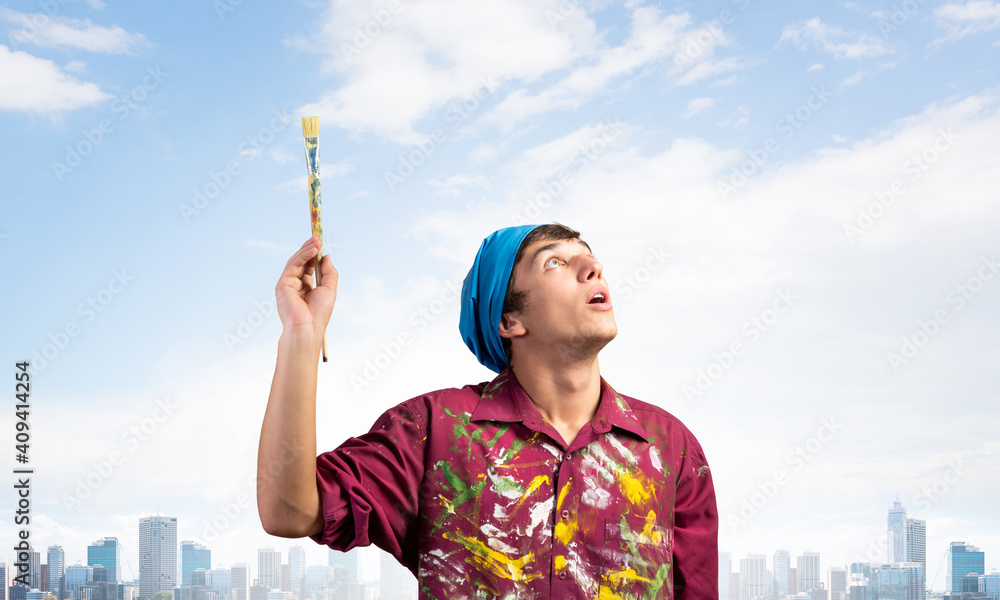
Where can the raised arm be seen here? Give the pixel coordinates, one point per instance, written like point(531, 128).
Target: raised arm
point(288, 498)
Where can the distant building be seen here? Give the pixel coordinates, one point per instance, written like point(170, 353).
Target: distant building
point(836, 583)
point(896, 548)
point(297, 571)
point(990, 585)
point(6, 577)
point(76, 577)
point(194, 556)
point(222, 580)
point(348, 559)
point(57, 572)
point(157, 555)
point(106, 552)
point(963, 559)
point(782, 562)
point(268, 568)
point(807, 571)
point(753, 577)
point(238, 573)
point(35, 579)
point(725, 575)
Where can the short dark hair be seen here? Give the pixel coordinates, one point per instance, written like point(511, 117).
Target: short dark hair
point(516, 300)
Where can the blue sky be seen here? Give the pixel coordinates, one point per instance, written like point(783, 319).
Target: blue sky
point(812, 183)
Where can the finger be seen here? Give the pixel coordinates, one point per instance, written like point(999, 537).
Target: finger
point(301, 258)
point(330, 274)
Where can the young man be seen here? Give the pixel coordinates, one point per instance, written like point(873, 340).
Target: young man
point(543, 483)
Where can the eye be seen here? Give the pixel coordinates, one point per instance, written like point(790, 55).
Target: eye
point(553, 263)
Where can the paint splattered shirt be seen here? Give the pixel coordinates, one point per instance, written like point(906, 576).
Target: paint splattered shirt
point(477, 495)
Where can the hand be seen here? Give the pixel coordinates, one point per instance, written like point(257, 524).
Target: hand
point(302, 308)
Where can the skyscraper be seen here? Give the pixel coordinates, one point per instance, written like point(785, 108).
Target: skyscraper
point(157, 555)
point(193, 556)
point(35, 579)
point(57, 572)
point(725, 575)
point(106, 552)
point(6, 576)
point(269, 567)
point(239, 579)
point(753, 577)
point(807, 571)
point(963, 559)
point(222, 580)
point(297, 571)
point(896, 546)
point(836, 583)
point(781, 565)
point(916, 546)
point(348, 559)
point(77, 576)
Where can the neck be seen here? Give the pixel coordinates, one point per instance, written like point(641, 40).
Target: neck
point(566, 394)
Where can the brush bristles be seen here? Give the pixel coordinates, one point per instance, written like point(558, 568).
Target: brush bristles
point(310, 126)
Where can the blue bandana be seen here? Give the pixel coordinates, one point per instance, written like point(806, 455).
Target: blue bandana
point(483, 293)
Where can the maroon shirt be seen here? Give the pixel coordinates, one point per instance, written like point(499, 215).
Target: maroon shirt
point(479, 497)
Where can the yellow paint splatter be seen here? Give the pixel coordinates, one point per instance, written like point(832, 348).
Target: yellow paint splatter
point(536, 483)
point(636, 490)
point(560, 562)
point(651, 534)
point(495, 562)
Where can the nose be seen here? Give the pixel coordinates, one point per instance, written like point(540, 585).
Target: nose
point(591, 269)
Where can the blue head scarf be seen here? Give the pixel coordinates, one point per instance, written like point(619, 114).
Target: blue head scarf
point(483, 293)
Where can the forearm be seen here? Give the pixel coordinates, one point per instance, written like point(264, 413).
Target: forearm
point(287, 495)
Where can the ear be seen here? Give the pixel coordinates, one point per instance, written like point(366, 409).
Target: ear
point(511, 326)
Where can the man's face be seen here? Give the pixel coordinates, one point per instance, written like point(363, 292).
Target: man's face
point(568, 305)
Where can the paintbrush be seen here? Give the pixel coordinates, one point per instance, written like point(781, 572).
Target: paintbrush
point(310, 131)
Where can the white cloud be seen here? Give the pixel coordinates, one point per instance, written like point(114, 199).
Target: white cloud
point(961, 20)
point(653, 37)
point(835, 40)
point(452, 186)
point(435, 51)
point(697, 105)
point(36, 85)
point(55, 31)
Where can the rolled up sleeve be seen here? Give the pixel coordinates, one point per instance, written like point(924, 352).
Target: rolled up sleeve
point(369, 486)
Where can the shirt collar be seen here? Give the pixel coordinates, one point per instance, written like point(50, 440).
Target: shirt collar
point(504, 400)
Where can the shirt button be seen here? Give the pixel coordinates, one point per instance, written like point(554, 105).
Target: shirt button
point(562, 574)
point(565, 514)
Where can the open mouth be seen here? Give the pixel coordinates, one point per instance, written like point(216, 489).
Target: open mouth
point(597, 299)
